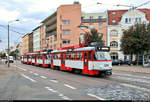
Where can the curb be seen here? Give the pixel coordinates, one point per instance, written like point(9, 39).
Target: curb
point(133, 71)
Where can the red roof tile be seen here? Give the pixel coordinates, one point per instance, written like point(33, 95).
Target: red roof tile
point(117, 15)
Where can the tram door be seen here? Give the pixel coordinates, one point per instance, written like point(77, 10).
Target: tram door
point(86, 61)
point(63, 60)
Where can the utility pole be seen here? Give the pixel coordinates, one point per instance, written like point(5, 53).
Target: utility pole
point(8, 46)
point(8, 40)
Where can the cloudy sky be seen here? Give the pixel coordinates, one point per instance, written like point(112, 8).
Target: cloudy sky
point(32, 12)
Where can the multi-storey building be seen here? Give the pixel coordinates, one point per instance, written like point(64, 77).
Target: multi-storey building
point(27, 43)
point(43, 44)
point(36, 39)
point(96, 21)
point(120, 20)
point(62, 26)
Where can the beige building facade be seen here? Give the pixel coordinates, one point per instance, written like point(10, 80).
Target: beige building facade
point(27, 43)
point(120, 20)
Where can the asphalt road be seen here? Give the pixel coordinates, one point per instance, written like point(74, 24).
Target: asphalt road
point(27, 82)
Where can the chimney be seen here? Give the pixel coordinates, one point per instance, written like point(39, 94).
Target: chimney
point(76, 2)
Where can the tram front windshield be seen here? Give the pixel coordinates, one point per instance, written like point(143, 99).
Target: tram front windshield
point(102, 56)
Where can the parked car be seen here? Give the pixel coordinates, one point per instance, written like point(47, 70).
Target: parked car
point(116, 62)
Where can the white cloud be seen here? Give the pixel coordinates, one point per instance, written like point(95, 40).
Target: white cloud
point(27, 20)
point(7, 15)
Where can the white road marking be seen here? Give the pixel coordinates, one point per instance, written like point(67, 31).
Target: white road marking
point(69, 86)
point(133, 86)
point(36, 74)
point(21, 68)
point(132, 75)
point(48, 88)
point(95, 96)
point(66, 98)
point(61, 94)
point(28, 78)
point(55, 81)
point(129, 79)
point(31, 72)
point(43, 77)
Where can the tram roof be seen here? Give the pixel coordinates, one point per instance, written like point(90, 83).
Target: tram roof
point(78, 49)
point(55, 51)
point(85, 49)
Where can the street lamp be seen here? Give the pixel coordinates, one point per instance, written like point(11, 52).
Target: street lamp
point(8, 38)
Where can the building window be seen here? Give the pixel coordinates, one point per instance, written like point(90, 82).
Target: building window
point(81, 36)
point(91, 26)
point(127, 20)
point(114, 56)
point(55, 37)
point(91, 17)
point(66, 41)
point(54, 46)
point(65, 32)
point(82, 26)
point(101, 26)
point(99, 17)
point(65, 22)
point(113, 21)
point(114, 33)
point(113, 13)
point(138, 20)
point(113, 44)
point(100, 34)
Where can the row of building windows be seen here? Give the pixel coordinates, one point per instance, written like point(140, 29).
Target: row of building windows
point(91, 26)
point(129, 20)
point(114, 44)
point(66, 22)
point(91, 17)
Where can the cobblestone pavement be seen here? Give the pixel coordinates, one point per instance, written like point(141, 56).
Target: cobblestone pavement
point(118, 92)
point(137, 69)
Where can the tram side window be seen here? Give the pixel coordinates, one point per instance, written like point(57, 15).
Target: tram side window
point(72, 55)
point(55, 56)
point(48, 56)
point(79, 55)
point(58, 55)
point(90, 55)
point(68, 55)
point(75, 55)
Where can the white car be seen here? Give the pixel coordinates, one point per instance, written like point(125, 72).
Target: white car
point(11, 59)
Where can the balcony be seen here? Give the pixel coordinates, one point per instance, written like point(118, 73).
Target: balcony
point(49, 28)
point(93, 20)
point(51, 20)
point(50, 33)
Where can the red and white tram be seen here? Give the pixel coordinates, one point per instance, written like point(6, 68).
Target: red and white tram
point(92, 60)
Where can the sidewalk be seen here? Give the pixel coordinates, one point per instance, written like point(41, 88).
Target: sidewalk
point(137, 69)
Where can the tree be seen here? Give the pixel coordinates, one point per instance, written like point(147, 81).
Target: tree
point(13, 53)
point(2, 55)
point(95, 37)
point(135, 40)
